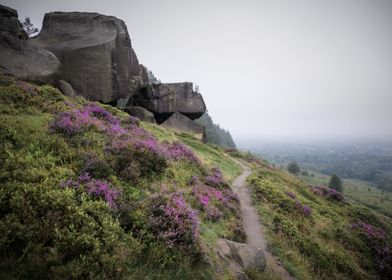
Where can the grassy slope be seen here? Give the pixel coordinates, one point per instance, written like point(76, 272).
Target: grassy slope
point(323, 245)
point(361, 191)
point(36, 160)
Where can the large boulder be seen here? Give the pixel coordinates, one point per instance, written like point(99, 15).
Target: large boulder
point(180, 122)
point(95, 52)
point(165, 99)
point(10, 24)
point(18, 57)
point(239, 256)
point(141, 113)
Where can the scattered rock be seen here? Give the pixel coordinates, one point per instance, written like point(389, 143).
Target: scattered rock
point(66, 88)
point(165, 99)
point(141, 113)
point(239, 256)
point(95, 52)
point(180, 122)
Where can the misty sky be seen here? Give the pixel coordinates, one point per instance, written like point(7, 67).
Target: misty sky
point(267, 69)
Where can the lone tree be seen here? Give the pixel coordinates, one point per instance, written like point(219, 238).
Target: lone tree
point(28, 27)
point(293, 168)
point(335, 183)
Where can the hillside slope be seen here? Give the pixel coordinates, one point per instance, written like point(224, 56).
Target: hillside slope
point(89, 192)
point(317, 233)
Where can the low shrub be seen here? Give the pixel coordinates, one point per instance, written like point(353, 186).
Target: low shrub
point(178, 151)
point(328, 193)
point(215, 179)
point(174, 222)
point(47, 233)
point(376, 239)
point(96, 188)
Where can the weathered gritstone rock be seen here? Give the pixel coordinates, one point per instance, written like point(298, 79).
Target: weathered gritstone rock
point(18, 57)
point(141, 113)
point(24, 61)
point(10, 24)
point(239, 256)
point(66, 89)
point(95, 52)
point(165, 99)
point(180, 122)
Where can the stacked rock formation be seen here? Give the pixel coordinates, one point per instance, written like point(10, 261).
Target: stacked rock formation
point(91, 55)
point(95, 52)
point(174, 105)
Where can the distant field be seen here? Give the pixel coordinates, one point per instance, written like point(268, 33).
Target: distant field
point(358, 190)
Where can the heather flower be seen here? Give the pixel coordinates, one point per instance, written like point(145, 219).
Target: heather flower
point(95, 188)
point(27, 87)
point(102, 189)
point(173, 220)
point(328, 193)
point(212, 201)
point(179, 151)
point(70, 123)
point(152, 146)
point(291, 195)
point(215, 179)
point(97, 111)
point(369, 230)
point(376, 239)
point(194, 180)
point(303, 209)
point(131, 120)
point(74, 121)
point(306, 210)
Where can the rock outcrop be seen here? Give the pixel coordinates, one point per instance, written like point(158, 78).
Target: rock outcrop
point(180, 122)
point(10, 24)
point(165, 99)
point(91, 54)
point(18, 57)
point(95, 52)
point(239, 256)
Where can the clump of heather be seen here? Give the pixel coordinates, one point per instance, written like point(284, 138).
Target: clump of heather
point(103, 190)
point(213, 201)
point(131, 120)
point(70, 123)
point(291, 195)
point(134, 158)
point(27, 87)
point(215, 179)
point(328, 193)
point(100, 113)
point(376, 239)
point(75, 121)
point(140, 133)
point(178, 151)
point(303, 208)
point(96, 188)
point(95, 166)
point(306, 210)
point(173, 221)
